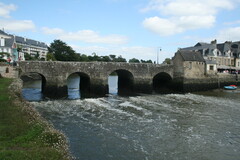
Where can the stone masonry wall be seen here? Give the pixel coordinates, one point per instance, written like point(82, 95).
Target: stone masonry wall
point(56, 74)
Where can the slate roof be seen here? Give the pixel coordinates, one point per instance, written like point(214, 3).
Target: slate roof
point(220, 47)
point(22, 40)
point(2, 32)
point(199, 46)
point(191, 56)
point(9, 42)
point(210, 61)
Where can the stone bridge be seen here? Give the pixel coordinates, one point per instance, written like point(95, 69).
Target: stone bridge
point(132, 77)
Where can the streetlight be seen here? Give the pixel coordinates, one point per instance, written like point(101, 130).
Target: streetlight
point(159, 50)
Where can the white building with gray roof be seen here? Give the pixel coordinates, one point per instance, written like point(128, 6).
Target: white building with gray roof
point(225, 55)
point(24, 46)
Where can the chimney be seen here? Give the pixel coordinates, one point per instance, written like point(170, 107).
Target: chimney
point(214, 42)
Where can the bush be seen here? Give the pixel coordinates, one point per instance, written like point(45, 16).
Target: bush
point(3, 60)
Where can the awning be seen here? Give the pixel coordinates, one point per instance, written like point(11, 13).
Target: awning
point(227, 67)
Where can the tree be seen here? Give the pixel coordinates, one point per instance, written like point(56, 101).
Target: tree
point(105, 59)
point(62, 52)
point(146, 61)
point(167, 61)
point(112, 57)
point(120, 59)
point(37, 56)
point(83, 58)
point(134, 60)
point(50, 57)
point(28, 56)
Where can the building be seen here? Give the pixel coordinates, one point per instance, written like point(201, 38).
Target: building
point(189, 64)
point(225, 55)
point(17, 47)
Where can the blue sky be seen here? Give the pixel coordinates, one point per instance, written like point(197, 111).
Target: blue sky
point(131, 28)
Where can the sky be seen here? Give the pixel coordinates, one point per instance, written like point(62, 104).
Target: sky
point(142, 29)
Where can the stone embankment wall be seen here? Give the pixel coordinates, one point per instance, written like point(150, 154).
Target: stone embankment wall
point(8, 71)
point(206, 83)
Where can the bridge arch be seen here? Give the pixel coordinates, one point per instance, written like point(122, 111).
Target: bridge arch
point(125, 84)
point(79, 81)
point(34, 85)
point(162, 83)
point(29, 77)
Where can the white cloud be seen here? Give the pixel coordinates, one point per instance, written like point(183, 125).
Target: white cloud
point(231, 34)
point(232, 23)
point(52, 31)
point(161, 26)
point(186, 7)
point(138, 52)
point(17, 25)
point(171, 26)
point(87, 36)
point(195, 22)
point(183, 15)
point(6, 9)
point(10, 24)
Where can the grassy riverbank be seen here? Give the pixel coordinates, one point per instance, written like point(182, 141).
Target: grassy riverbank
point(24, 135)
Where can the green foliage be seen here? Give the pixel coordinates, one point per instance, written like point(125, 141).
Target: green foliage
point(146, 61)
point(134, 60)
point(119, 59)
point(50, 57)
point(112, 57)
point(28, 57)
point(19, 48)
point(21, 135)
point(2, 54)
point(62, 52)
point(167, 61)
point(36, 56)
point(3, 60)
point(31, 134)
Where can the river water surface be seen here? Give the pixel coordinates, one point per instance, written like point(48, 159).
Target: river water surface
point(199, 126)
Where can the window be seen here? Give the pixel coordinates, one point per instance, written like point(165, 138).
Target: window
point(2, 42)
point(211, 67)
point(190, 65)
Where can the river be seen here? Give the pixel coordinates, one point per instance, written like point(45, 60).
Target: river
point(194, 126)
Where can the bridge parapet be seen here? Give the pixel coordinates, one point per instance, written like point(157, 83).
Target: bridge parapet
point(56, 74)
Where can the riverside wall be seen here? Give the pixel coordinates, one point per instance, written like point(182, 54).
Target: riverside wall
point(205, 83)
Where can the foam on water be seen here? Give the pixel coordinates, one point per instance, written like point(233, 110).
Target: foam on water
point(173, 126)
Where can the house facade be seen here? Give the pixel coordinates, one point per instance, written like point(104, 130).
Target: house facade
point(17, 47)
point(189, 64)
point(226, 55)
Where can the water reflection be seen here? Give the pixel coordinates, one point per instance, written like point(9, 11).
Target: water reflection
point(32, 94)
point(32, 90)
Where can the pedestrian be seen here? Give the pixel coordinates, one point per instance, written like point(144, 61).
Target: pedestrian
point(9, 61)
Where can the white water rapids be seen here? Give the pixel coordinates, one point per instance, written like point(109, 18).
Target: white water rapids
point(150, 127)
